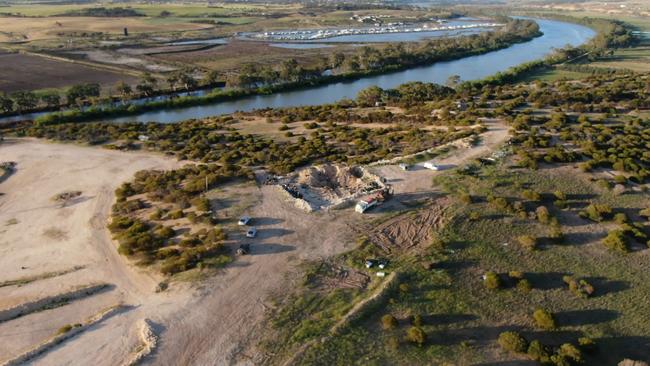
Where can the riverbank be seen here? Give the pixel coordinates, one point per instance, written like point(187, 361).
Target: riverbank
point(517, 32)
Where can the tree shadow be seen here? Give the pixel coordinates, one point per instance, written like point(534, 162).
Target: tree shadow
point(578, 239)
point(615, 349)
point(603, 286)
point(442, 319)
point(583, 317)
point(273, 233)
point(454, 267)
point(546, 280)
point(262, 221)
point(262, 249)
point(480, 335)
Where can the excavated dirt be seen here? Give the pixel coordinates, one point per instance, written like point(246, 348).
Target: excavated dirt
point(334, 276)
point(329, 185)
point(410, 231)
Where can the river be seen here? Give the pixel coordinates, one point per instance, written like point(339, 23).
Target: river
point(556, 35)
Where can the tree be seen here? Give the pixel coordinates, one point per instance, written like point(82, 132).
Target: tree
point(544, 319)
point(492, 281)
point(123, 89)
point(388, 322)
point(51, 99)
point(6, 103)
point(370, 96)
point(416, 335)
point(25, 100)
point(82, 92)
point(212, 77)
point(188, 81)
point(617, 241)
point(513, 342)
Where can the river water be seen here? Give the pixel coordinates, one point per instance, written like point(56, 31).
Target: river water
point(556, 35)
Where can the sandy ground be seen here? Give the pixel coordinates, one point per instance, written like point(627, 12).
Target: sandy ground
point(39, 236)
point(212, 323)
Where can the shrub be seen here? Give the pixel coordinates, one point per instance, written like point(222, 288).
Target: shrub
point(388, 322)
point(645, 213)
point(474, 216)
point(165, 232)
point(537, 351)
point(542, 214)
point(156, 215)
point(596, 212)
point(616, 241)
point(569, 351)
point(544, 319)
point(175, 215)
point(580, 288)
point(587, 344)
point(524, 285)
point(466, 198)
point(416, 335)
point(531, 195)
point(202, 204)
point(560, 196)
point(417, 320)
point(620, 218)
point(492, 280)
point(393, 343)
point(513, 342)
point(527, 241)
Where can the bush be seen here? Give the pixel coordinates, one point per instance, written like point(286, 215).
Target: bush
point(531, 195)
point(542, 214)
point(527, 241)
point(388, 322)
point(474, 216)
point(492, 280)
point(587, 344)
point(416, 335)
point(537, 351)
point(571, 352)
point(617, 241)
point(580, 288)
point(513, 342)
point(416, 320)
point(524, 285)
point(620, 218)
point(466, 198)
point(202, 204)
point(544, 319)
point(175, 215)
point(596, 212)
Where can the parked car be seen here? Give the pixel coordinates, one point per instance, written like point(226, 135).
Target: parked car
point(251, 233)
point(404, 166)
point(244, 249)
point(243, 221)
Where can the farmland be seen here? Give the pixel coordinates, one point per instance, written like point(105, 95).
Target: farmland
point(22, 71)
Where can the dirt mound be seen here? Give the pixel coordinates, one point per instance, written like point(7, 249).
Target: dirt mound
point(333, 276)
point(329, 185)
point(410, 231)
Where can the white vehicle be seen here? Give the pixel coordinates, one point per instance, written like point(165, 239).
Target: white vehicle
point(251, 233)
point(431, 166)
point(244, 221)
point(403, 166)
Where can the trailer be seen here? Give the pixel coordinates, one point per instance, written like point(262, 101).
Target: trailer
point(373, 200)
point(431, 166)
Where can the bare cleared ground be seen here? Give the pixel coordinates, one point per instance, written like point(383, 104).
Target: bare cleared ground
point(27, 72)
point(418, 178)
